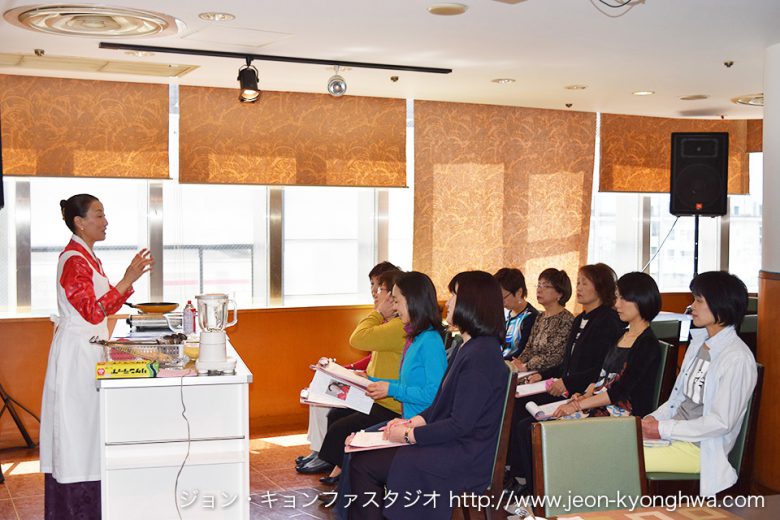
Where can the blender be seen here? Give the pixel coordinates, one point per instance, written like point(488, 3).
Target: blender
point(212, 316)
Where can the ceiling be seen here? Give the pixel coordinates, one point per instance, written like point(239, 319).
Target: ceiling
point(673, 47)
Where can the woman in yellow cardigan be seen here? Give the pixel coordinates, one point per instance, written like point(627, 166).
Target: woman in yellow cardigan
point(382, 334)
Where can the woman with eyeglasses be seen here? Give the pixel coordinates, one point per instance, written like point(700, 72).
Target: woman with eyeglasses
point(594, 331)
point(520, 314)
point(450, 445)
point(551, 328)
point(382, 333)
point(423, 362)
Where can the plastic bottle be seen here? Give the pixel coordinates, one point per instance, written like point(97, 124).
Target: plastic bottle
point(188, 318)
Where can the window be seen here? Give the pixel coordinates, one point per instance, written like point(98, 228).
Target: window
point(329, 245)
point(617, 235)
point(672, 268)
point(616, 228)
point(125, 203)
point(400, 227)
point(215, 241)
point(214, 237)
point(745, 227)
point(7, 251)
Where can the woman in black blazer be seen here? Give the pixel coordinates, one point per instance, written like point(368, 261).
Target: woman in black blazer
point(453, 442)
point(593, 333)
point(626, 383)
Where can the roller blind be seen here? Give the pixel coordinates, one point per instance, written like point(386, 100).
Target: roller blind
point(80, 128)
point(636, 151)
point(289, 138)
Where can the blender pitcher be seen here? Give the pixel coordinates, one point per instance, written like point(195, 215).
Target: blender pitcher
point(213, 311)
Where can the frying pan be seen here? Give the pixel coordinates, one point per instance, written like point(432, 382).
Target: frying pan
point(154, 307)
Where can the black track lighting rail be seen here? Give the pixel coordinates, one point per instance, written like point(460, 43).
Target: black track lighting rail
point(267, 57)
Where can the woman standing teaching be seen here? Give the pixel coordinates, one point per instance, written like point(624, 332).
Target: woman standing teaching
point(69, 440)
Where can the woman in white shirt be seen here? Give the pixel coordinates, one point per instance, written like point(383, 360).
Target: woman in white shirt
point(704, 414)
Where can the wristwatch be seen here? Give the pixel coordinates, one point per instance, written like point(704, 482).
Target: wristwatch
point(406, 436)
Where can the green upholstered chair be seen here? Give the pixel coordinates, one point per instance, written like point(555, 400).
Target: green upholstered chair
point(748, 331)
point(667, 330)
point(495, 488)
point(752, 307)
point(667, 371)
point(587, 457)
point(740, 456)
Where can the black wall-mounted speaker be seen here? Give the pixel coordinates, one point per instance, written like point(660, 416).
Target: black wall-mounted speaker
point(700, 172)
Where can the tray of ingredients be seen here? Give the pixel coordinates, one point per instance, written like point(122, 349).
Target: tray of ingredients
point(166, 350)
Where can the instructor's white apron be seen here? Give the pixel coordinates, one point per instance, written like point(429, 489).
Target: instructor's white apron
point(70, 436)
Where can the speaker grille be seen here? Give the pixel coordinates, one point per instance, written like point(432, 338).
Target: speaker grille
point(699, 174)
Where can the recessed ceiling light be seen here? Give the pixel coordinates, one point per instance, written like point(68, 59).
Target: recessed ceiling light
point(447, 9)
point(644, 92)
point(753, 100)
point(139, 54)
point(575, 87)
point(694, 97)
point(503, 81)
point(212, 16)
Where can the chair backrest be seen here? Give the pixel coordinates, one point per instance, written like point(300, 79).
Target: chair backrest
point(748, 331)
point(742, 451)
point(502, 440)
point(667, 371)
point(588, 457)
point(752, 306)
point(452, 342)
point(667, 330)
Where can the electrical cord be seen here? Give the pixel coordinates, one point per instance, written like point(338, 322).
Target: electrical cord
point(627, 4)
point(619, 4)
point(189, 441)
point(662, 245)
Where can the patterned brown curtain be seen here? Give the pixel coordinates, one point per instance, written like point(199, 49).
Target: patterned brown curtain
point(636, 151)
point(501, 186)
point(79, 128)
point(291, 138)
point(755, 135)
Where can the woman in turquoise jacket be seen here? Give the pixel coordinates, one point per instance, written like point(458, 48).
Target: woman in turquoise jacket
point(423, 361)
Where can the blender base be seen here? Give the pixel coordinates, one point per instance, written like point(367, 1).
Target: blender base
point(226, 366)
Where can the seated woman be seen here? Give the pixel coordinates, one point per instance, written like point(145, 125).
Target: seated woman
point(380, 332)
point(593, 333)
point(551, 328)
point(422, 366)
point(521, 315)
point(627, 380)
point(704, 414)
point(453, 442)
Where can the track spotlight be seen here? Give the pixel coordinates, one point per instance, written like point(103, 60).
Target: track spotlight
point(247, 78)
point(337, 86)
